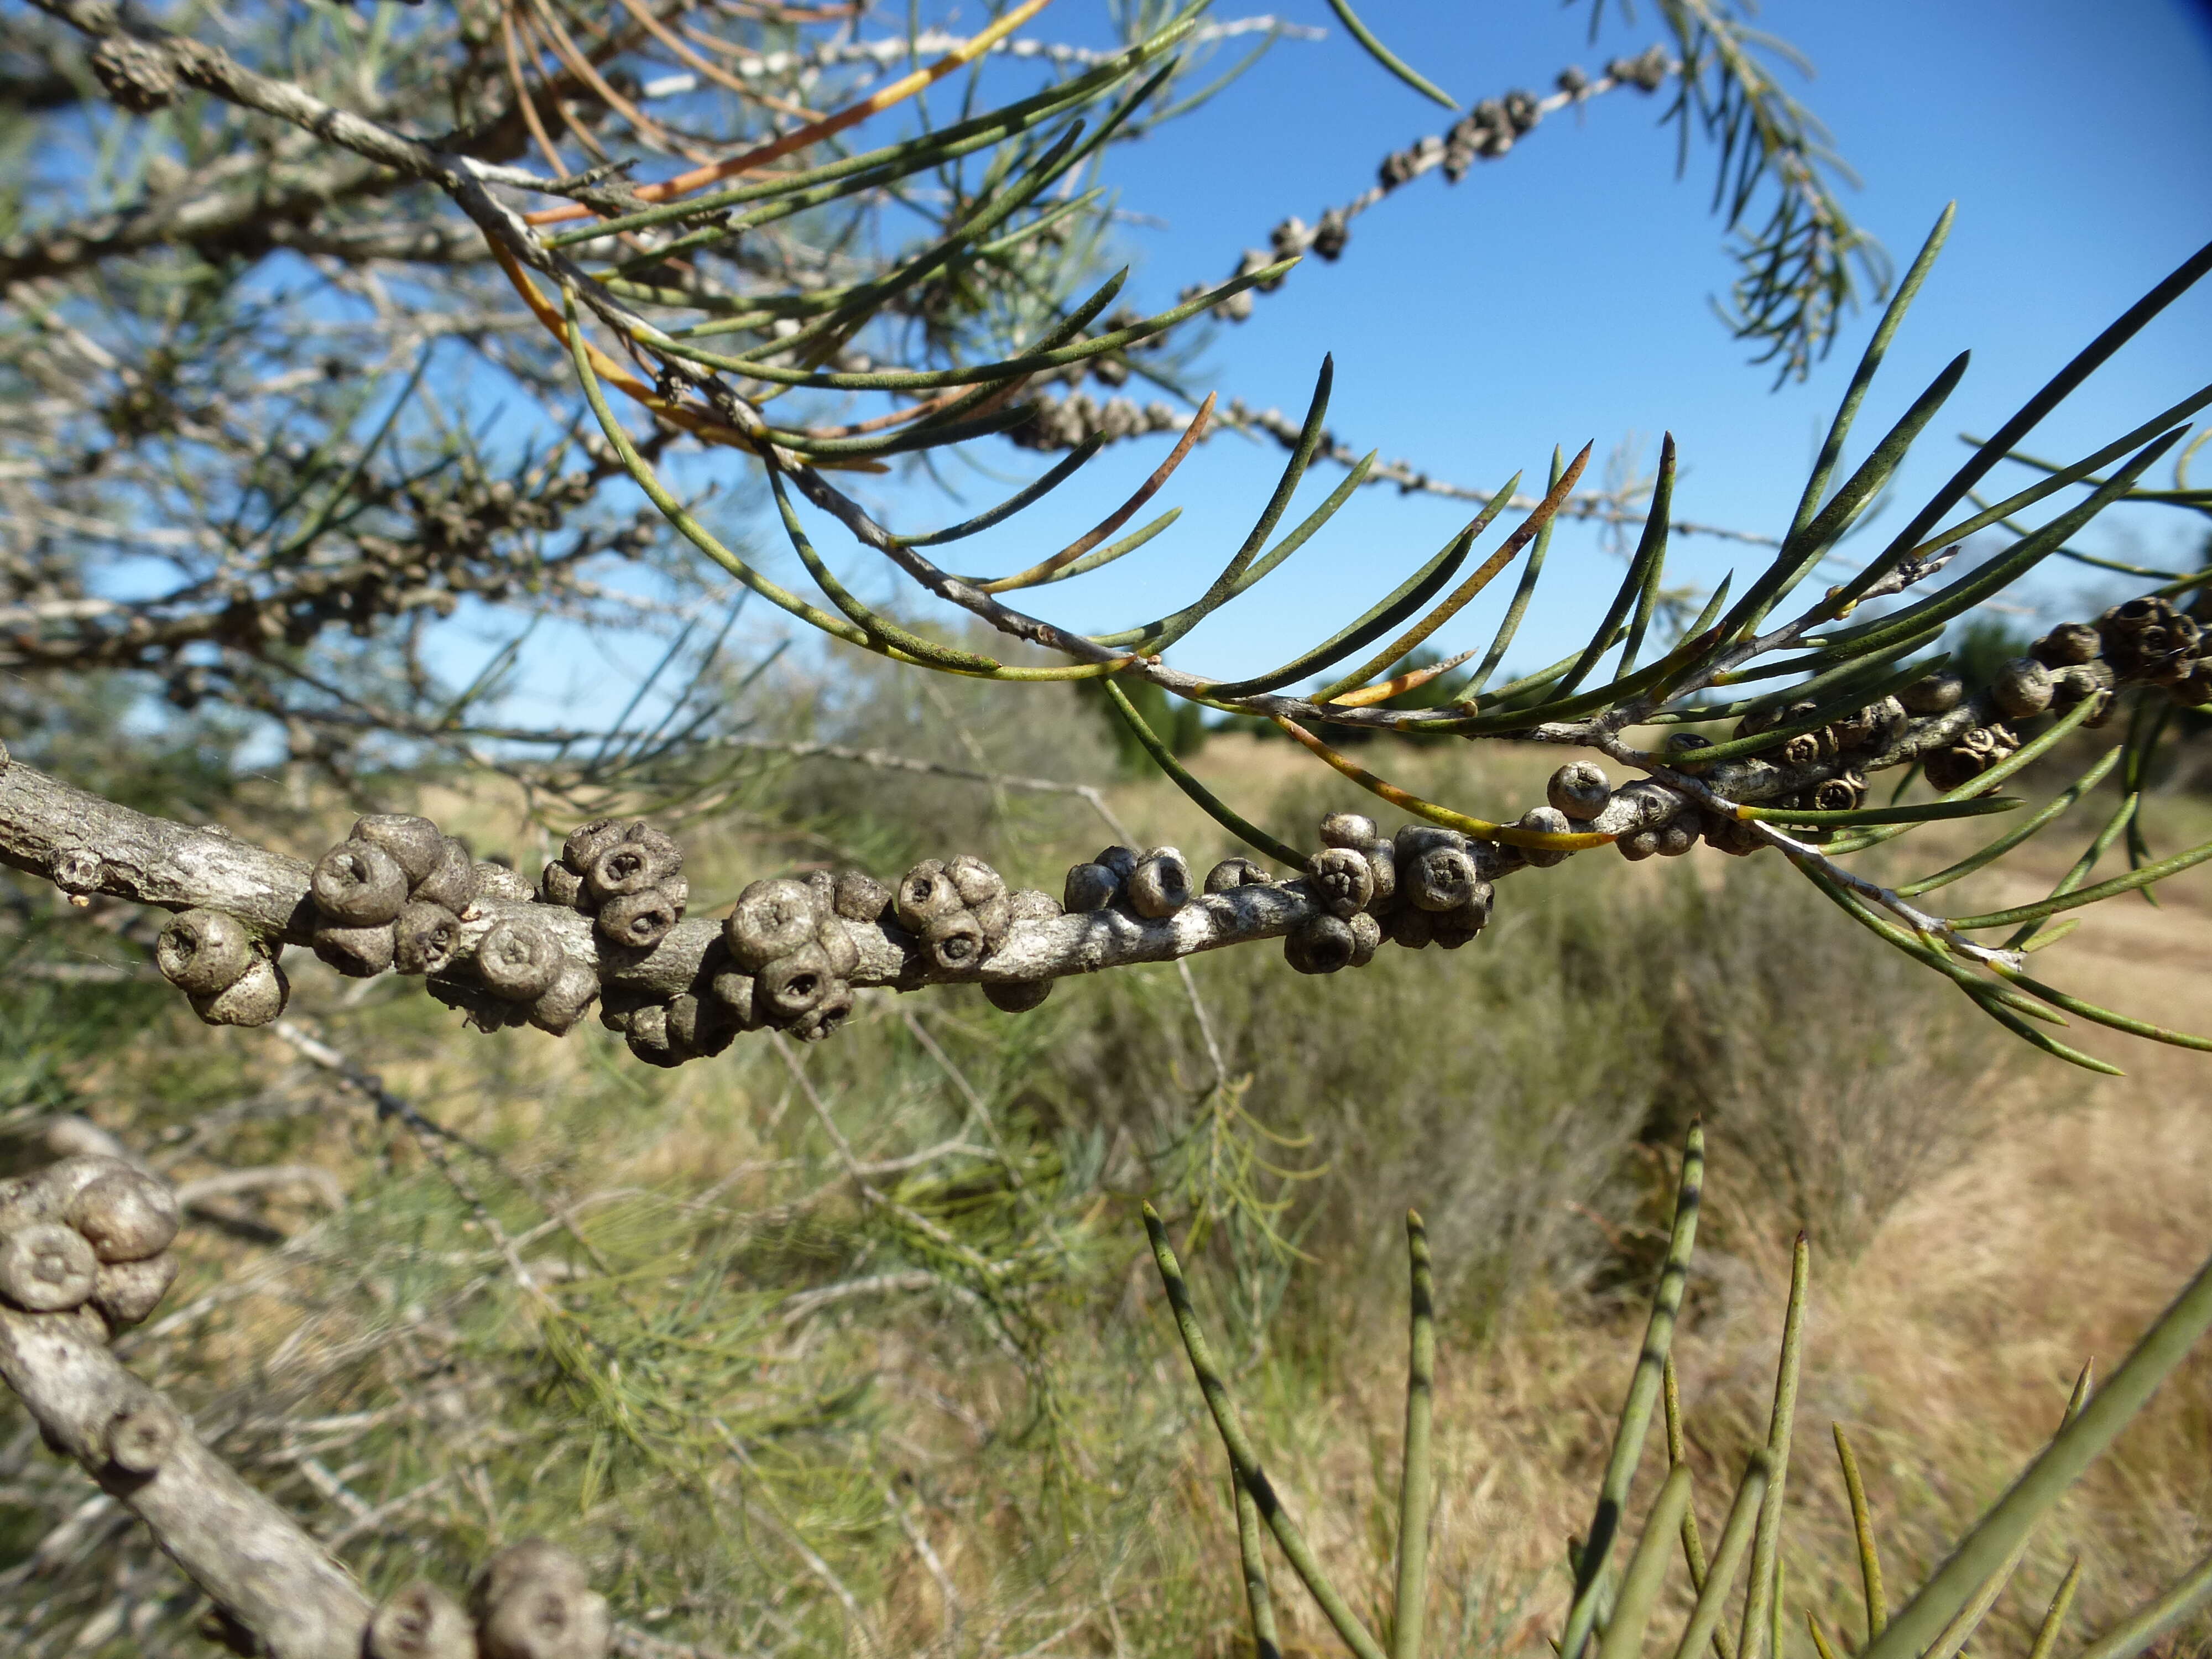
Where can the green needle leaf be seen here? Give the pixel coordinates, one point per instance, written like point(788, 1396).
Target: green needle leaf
point(1390, 60)
point(1763, 1591)
point(1704, 1624)
point(1385, 614)
point(1230, 1423)
point(1877, 1605)
point(1647, 1570)
point(1920, 812)
point(1416, 1487)
point(1215, 808)
point(2045, 1481)
point(1643, 1394)
point(2054, 1618)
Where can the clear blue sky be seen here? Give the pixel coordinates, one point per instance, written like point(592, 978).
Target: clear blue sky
point(1561, 294)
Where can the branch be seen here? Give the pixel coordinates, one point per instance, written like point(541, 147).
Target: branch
point(83, 1255)
point(81, 1245)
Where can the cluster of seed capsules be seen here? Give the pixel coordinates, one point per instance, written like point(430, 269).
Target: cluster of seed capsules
point(88, 1233)
point(784, 960)
point(532, 1600)
point(1428, 885)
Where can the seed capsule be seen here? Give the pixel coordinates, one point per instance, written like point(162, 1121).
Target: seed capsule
point(1458, 927)
point(1639, 845)
point(1545, 821)
point(1028, 904)
point(1579, 789)
point(76, 869)
point(533, 1603)
point(1366, 938)
point(497, 883)
point(2134, 616)
point(699, 1025)
point(791, 985)
point(127, 1293)
point(46, 1267)
point(1382, 869)
point(356, 952)
point(994, 916)
point(126, 1215)
point(358, 884)
point(1018, 997)
point(861, 897)
point(2022, 688)
point(1160, 884)
point(567, 999)
point(24, 1200)
point(638, 920)
point(734, 990)
point(1937, 694)
point(588, 841)
point(1090, 887)
point(1341, 880)
point(772, 919)
point(631, 866)
point(1676, 837)
point(413, 842)
point(424, 938)
point(421, 1622)
point(1841, 794)
point(825, 1016)
point(1346, 830)
point(1320, 945)
point(976, 881)
point(518, 960)
point(2194, 690)
point(452, 881)
point(254, 998)
point(1886, 721)
point(1730, 836)
point(560, 885)
point(1229, 872)
point(1954, 768)
point(1441, 878)
point(202, 951)
point(141, 1434)
point(835, 936)
point(2070, 684)
point(2067, 645)
point(1800, 750)
point(924, 894)
point(955, 939)
point(1411, 927)
point(647, 1032)
point(1121, 860)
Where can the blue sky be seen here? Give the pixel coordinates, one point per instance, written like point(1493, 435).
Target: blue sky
point(1561, 294)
